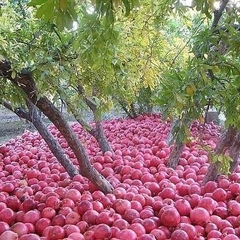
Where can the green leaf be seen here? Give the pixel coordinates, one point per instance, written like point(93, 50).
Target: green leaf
point(68, 20)
point(45, 10)
point(13, 74)
point(36, 2)
point(70, 8)
point(222, 161)
point(60, 22)
point(127, 6)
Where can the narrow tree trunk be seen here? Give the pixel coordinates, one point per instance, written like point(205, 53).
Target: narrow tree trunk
point(234, 152)
point(225, 142)
point(175, 155)
point(53, 145)
point(101, 138)
point(211, 174)
point(97, 132)
point(34, 117)
point(131, 113)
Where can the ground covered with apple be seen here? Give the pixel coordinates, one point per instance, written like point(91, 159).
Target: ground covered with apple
point(38, 200)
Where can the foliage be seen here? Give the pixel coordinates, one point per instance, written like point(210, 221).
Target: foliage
point(144, 38)
point(208, 77)
point(68, 58)
point(223, 161)
point(63, 12)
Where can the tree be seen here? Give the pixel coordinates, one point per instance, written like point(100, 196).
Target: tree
point(208, 79)
point(87, 88)
point(138, 73)
point(135, 74)
point(226, 142)
point(30, 54)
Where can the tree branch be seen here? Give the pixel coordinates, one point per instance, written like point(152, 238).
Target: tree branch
point(218, 13)
point(20, 111)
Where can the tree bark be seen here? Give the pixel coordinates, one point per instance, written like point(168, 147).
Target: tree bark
point(131, 113)
point(211, 174)
point(97, 132)
point(218, 13)
point(26, 82)
point(86, 169)
point(101, 138)
point(53, 145)
point(228, 137)
point(234, 152)
point(175, 155)
point(34, 117)
point(225, 142)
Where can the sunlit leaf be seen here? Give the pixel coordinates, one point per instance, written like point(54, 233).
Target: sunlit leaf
point(13, 74)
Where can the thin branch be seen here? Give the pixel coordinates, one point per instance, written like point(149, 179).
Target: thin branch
point(218, 13)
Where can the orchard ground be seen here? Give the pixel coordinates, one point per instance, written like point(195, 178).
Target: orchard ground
point(10, 125)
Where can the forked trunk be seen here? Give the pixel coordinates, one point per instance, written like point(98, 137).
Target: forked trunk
point(97, 132)
point(86, 169)
point(129, 110)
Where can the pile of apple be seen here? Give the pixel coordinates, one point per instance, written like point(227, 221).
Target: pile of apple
point(150, 201)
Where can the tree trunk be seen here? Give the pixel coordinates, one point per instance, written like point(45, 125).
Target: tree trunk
point(211, 174)
point(101, 138)
point(212, 117)
point(97, 132)
point(225, 142)
point(53, 145)
point(234, 152)
point(25, 81)
point(86, 169)
point(175, 155)
point(34, 117)
point(131, 113)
